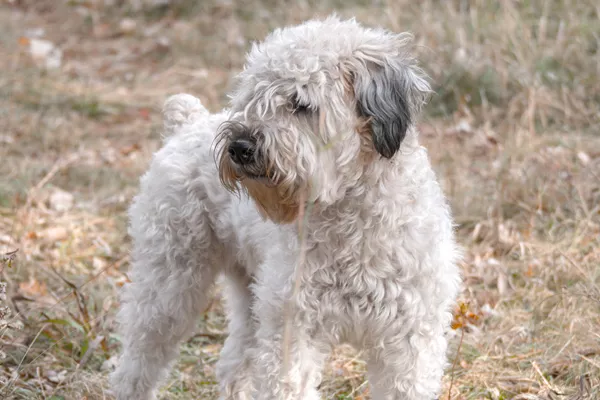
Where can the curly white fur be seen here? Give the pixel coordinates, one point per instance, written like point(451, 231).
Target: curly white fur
point(380, 258)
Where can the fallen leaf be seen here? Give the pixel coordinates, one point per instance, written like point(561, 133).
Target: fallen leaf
point(584, 158)
point(502, 283)
point(7, 139)
point(127, 26)
point(530, 272)
point(61, 201)
point(144, 113)
point(98, 263)
point(130, 149)
point(45, 53)
point(55, 377)
point(102, 31)
point(212, 349)
point(33, 288)
point(55, 234)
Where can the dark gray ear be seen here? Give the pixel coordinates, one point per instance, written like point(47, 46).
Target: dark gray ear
point(391, 96)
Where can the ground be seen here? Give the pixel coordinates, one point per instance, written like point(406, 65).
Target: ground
point(513, 131)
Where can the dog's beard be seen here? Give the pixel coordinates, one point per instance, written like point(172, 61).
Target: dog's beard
point(270, 202)
point(273, 200)
point(272, 193)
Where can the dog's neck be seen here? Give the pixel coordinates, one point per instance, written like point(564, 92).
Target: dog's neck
point(379, 172)
point(368, 194)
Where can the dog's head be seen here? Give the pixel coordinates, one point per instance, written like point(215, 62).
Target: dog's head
point(315, 106)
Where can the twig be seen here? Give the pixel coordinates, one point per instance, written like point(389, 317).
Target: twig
point(212, 336)
point(548, 385)
point(42, 353)
point(579, 268)
point(91, 348)
point(356, 389)
point(594, 363)
point(462, 335)
point(537, 369)
point(62, 299)
point(299, 267)
point(12, 381)
point(58, 165)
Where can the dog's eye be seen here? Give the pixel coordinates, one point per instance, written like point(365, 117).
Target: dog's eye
point(298, 106)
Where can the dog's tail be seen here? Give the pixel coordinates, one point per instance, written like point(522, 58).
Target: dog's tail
point(180, 109)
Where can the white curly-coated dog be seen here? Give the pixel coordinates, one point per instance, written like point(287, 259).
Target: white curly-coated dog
point(312, 196)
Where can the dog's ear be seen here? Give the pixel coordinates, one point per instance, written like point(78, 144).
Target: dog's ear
point(389, 94)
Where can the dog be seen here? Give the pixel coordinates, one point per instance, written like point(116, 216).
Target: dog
point(311, 195)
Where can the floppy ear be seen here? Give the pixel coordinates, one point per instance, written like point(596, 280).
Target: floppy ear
point(390, 95)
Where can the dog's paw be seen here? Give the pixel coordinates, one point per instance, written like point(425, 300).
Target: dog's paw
point(124, 386)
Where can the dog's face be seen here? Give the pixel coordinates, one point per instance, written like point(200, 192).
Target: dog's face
point(316, 105)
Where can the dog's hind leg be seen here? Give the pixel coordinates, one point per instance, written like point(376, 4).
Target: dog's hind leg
point(160, 308)
point(234, 366)
point(175, 260)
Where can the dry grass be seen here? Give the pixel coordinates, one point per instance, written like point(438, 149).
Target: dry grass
point(514, 133)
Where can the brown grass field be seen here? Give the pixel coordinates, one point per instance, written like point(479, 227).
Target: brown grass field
point(513, 132)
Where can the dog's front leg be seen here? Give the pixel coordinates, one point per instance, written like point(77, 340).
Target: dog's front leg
point(290, 368)
point(298, 380)
point(408, 368)
point(234, 368)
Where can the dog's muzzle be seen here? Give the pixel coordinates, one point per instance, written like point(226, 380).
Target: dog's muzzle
point(241, 151)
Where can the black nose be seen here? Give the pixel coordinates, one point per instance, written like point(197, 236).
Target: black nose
point(241, 151)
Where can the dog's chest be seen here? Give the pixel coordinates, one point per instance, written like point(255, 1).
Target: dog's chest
point(358, 276)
